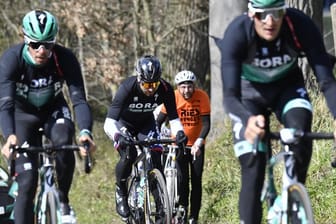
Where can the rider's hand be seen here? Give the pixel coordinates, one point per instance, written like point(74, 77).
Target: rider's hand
point(196, 147)
point(86, 137)
point(255, 127)
point(121, 142)
point(181, 138)
point(11, 140)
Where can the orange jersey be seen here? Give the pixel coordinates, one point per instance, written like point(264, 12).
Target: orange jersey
point(190, 112)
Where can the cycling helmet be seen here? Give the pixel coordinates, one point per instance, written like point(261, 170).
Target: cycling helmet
point(148, 69)
point(185, 76)
point(40, 25)
point(264, 4)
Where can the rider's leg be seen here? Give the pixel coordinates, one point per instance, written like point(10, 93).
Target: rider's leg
point(26, 168)
point(123, 170)
point(300, 118)
point(196, 185)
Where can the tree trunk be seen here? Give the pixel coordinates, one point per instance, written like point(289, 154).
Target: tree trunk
point(218, 21)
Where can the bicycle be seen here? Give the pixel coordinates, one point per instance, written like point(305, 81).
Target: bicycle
point(47, 202)
point(172, 174)
point(147, 192)
point(292, 204)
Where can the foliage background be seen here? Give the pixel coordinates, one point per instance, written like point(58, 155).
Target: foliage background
point(107, 36)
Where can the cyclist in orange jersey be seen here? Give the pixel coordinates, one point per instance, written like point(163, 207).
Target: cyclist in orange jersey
point(193, 108)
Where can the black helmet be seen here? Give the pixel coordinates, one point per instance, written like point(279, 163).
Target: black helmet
point(148, 69)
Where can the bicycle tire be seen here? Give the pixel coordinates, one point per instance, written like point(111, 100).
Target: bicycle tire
point(157, 209)
point(299, 206)
point(137, 214)
point(46, 210)
point(170, 183)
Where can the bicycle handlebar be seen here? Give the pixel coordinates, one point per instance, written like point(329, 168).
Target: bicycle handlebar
point(149, 142)
point(305, 135)
point(297, 134)
point(49, 149)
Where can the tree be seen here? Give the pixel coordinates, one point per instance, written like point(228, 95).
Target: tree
point(109, 35)
point(218, 21)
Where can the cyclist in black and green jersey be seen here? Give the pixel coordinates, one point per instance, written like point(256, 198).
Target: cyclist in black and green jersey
point(260, 74)
point(32, 74)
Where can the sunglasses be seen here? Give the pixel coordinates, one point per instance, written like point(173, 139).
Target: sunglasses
point(37, 45)
point(150, 85)
point(275, 13)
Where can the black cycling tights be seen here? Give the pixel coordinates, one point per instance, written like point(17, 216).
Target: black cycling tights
point(195, 168)
point(250, 208)
point(26, 165)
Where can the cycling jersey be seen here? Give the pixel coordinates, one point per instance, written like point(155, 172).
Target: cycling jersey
point(35, 88)
point(132, 107)
point(265, 63)
point(190, 112)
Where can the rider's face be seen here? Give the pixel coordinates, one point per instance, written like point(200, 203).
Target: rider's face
point(268, 24)
point(186, 89)
point(149, 88)
point(40, 53)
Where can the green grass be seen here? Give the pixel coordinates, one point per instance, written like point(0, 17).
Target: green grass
point(92, 195)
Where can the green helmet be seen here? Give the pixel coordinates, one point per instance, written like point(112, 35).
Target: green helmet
point(264, 4)
point(40, 25)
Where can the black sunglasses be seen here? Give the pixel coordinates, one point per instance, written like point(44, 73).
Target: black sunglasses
point(37, 45)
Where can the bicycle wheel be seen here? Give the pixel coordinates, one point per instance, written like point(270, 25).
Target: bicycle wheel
point(46, 210)
point(170, 183)
point(157, 209)
point(299, 206)
point(137, 213)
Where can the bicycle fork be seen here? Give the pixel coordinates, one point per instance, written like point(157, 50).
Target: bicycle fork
point(48, 186)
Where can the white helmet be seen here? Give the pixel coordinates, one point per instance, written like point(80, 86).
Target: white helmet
point(185, 76)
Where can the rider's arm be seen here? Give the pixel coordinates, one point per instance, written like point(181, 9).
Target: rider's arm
point(205, 126)
point(111, 128)
point(234, 49)
point(170, 105)
point(111, 125)
point(161, 118)
point(312, 43)
point(74, 79)
point(9, 72)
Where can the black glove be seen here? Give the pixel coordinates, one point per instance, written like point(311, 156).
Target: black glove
point(121, 142)
point(181, 139)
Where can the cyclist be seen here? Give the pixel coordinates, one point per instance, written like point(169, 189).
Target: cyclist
point(31, 78)
point(132, 108)
point(193, 108)
point(260, 75)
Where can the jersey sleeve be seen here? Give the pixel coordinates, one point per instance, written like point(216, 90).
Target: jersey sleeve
point(205, 103)
point(116, 106)
point(313, 46)
point(74, 79)
point(233, 49)
point(9, 72)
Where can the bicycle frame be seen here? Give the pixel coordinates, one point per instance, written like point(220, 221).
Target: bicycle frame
point(142, 172)
point(47, 206)
point(170, 172)
point(269, 190)
point(294, 197)
point(47, 187)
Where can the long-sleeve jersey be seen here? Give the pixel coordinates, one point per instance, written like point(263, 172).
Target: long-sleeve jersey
point(246, 56)
point(132, 107)
point(191, 112)
point(34, 89)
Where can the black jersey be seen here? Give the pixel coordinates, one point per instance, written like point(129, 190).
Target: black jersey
point(245, 56)
point(132, 106)
point(35, 89)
